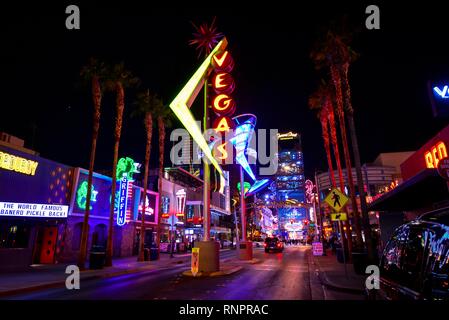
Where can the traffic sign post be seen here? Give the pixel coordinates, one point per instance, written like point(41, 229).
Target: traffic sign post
point(342, 216)
point(337, 200)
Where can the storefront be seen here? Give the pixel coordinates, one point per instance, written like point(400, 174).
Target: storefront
point(128, 204)
point(34, 205)
point(423, 188)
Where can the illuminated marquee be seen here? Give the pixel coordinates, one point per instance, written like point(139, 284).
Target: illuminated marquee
point(17, 164)
point(33, 210)
point(435, 154)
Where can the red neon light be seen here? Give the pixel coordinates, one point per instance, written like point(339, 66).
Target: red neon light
point(435, 154)
point(165, 215)
point(223, 104)
point(223, 83)
point(222, 124)
point(223, 61)
point(222, 149)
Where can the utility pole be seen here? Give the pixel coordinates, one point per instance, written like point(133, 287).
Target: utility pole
point(320, 217)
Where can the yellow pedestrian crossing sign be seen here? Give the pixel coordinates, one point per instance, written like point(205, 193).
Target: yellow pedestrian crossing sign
point(339, 217)
point(336, 199)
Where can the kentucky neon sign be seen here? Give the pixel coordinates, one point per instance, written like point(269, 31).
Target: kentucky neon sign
point(435, 154)
point(17, 164)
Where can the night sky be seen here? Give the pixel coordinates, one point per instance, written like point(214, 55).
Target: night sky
point(40, 63)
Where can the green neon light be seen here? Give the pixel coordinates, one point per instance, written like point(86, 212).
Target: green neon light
point(126, 165)
point(81, 195)
point(181, 110)
point(246, 186)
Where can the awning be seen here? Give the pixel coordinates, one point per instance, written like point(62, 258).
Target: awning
point(423, 190)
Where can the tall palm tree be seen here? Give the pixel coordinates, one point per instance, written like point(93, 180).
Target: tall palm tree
point(355, 148)
point(118, 79)
point(147, 104)
point(93, 72)
point(164, 120)
point(316, 102)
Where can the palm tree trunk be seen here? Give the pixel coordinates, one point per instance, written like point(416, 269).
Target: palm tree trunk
point(358, 167)
point(120, 104)
point(149, 130)
point(348, 241)
point(161, 131)
point(325, 133)
point(96, 94)
point(333, 131)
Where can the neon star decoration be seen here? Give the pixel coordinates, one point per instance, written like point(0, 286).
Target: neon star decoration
point(180, 105)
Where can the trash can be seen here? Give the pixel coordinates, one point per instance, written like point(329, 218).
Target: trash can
point(97, 257)
point(154, 254)
point(360, 261)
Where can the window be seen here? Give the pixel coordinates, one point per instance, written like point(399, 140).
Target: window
point(391, 266)
point(413, 258)
point(14, 235)
point(76, 239)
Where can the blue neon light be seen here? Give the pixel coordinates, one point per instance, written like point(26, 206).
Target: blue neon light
point(123, 200)
point(444, 94)
point(258, 185)
point(241, 138)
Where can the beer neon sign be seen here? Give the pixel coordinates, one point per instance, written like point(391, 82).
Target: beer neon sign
point(435, 154)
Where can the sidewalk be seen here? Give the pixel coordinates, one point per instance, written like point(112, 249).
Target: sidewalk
point(52, 276)
point(332, 274)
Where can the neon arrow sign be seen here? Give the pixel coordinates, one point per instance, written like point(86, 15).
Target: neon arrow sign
point(444, 94)
point(184, 99)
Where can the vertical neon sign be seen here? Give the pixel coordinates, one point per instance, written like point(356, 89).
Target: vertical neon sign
point(123, 200)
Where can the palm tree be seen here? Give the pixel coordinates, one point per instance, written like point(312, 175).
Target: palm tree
point(118, 79)
point(164, 119)
point(316, 102)
point(93, 72)
point(355, 149)
point(147, 104)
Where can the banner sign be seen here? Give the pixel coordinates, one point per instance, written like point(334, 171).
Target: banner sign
point(317, 248)
point(33, 210)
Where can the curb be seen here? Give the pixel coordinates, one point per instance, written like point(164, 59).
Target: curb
point(329, 284)
point(56, 284)
point(188, 273)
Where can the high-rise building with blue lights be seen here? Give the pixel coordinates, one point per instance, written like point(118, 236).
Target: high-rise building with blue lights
point(290, 192)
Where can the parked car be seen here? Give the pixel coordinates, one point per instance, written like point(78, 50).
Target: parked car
point(415, 261)
point(273, 244)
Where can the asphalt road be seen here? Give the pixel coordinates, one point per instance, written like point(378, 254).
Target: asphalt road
point(280, 276)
